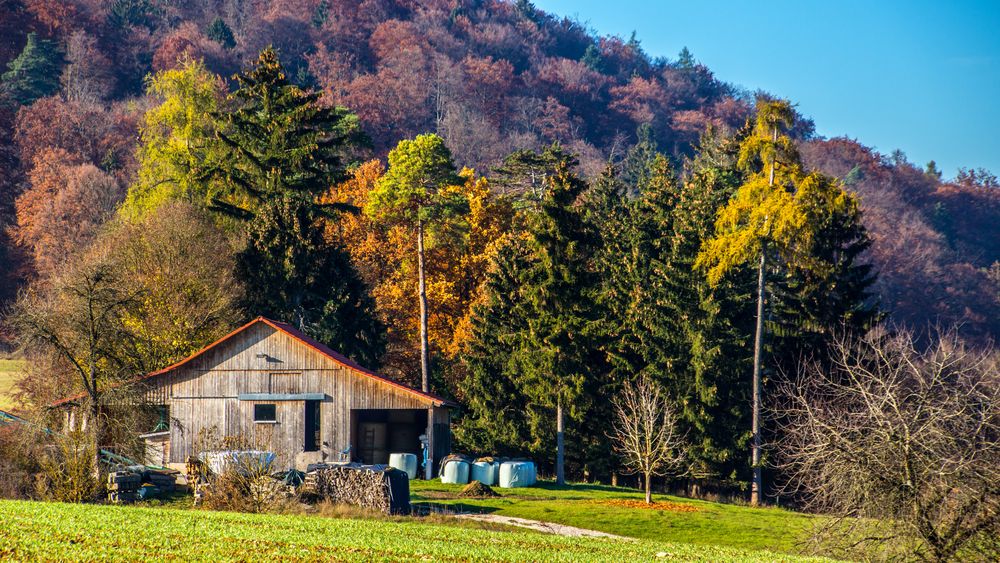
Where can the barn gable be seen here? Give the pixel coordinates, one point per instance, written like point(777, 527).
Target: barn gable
point(257, 357)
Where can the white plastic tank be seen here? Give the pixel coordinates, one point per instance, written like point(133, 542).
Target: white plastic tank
point(486, 472)
point(455, 472)
point(406, 463)
point(517, 474)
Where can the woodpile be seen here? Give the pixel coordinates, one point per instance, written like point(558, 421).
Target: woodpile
point(165, 481)
point(123, 486)
point(377, 487)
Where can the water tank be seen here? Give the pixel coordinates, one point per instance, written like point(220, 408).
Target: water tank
point(486, 472)
point(517, 474)
point(407, 463)
point(455, 471)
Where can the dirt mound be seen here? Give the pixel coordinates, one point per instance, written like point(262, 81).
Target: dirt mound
point(476, 489)
point(662, 505)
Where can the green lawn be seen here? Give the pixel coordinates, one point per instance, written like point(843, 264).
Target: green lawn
point(10, 370)
point(586, 506)
point(65, 532)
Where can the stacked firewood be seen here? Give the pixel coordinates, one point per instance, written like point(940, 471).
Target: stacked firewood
point(123, 486)
point(379, 488)
point(165, 481)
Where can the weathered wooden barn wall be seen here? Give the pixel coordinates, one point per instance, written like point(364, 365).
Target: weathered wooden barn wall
point(203, 395)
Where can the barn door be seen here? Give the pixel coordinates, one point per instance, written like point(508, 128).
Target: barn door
point(312, 426)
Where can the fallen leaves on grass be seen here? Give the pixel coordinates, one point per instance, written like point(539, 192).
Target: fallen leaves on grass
point(661, 505)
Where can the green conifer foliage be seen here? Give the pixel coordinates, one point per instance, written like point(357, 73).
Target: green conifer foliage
point(282, 151)
point(536, 330)
point(280, 141)
point(291, 273)
point(34, 73)
point(219, 32)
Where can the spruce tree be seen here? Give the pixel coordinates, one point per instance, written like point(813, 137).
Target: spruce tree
point(832, 293)
point(636, 166)
point(532, 353)
point(291, 273)
point(282, 151)
point(281, 142)
point(34, 73)
point(219, 32)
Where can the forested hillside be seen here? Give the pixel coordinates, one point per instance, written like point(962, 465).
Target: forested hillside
point(489, 76)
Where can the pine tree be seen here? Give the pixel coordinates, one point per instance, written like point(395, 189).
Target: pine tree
point(34, 73)
point(413, 193)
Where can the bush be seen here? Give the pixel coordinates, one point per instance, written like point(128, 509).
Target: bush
point(68, 469)
point(19, 454)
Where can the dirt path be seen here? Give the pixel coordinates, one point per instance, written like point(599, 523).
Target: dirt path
point(547, 527)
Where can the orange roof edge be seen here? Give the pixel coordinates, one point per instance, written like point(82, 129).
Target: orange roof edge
point(304, 339)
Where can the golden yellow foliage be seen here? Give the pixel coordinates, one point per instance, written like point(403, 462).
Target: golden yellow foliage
point(457, 256)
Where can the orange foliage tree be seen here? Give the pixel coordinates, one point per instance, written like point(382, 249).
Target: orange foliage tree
point(458, 254)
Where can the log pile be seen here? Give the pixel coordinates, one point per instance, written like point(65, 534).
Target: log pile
point(165, 481)
point(123, 486)
point(379, 488)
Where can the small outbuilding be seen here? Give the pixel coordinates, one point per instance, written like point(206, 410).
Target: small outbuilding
point(271, 384)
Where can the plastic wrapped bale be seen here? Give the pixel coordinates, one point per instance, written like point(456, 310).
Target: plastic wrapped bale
point(455, 471)
point(380, 488)
point(517, 474)
point(407, 463)
point(243, 461)
point(486, 472)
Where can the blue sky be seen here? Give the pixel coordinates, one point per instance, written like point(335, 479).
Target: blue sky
point(919, 76)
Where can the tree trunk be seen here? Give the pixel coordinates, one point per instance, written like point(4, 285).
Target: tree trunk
point(95, 424)
point(756, 489)
point(649, 488)
point(425, 383)
point(560, 469)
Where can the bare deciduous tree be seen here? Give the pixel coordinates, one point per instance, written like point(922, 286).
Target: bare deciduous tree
point(645, 432)
point(901, 444)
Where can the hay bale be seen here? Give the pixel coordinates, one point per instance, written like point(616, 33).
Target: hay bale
point(379, 488)
point(476, 489)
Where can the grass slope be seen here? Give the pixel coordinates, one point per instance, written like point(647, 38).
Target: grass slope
point(589, 506)
point(10, 370)
point(66, 532)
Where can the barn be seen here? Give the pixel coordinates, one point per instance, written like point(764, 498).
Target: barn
point(270, 384)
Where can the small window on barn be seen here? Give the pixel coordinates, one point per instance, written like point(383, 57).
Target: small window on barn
point(265, 413)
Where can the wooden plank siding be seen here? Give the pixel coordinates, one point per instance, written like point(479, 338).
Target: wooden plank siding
point(203, 394)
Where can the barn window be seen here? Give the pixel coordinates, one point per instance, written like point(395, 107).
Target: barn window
point(265, 413)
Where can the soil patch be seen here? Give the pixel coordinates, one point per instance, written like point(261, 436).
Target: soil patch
point(476, 489)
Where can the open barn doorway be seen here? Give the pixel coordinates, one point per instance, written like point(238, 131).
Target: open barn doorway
point(376, 433)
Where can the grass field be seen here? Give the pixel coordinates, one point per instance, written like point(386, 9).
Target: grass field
point(10, 370)
point(604, 509)
point(66, 532)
